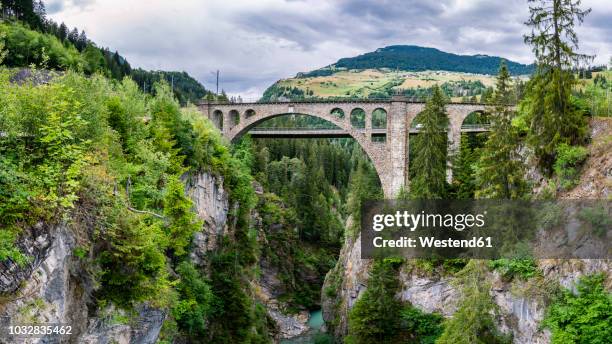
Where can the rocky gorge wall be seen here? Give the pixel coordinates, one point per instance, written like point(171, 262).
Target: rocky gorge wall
point(522, 303)
point(56, 286)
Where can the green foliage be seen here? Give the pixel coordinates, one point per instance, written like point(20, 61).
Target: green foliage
point(584, 316)
point(100, 148)
point(509, 268)
point(553, 115)
point(3, 51)
point(195, 302)
point(429, 166)
point(499, 170)
point(464, 166)
point(186, 89)
point(420, 327)
point(27, 47)
point(473, 322)
point(182, 221)
point(376, 316)
point(567, 163)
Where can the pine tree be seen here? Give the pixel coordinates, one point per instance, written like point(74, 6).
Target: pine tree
point(474, 321)
point(73, 36)
point(499, 172)
point(81, 42)
point(553, 117)
point(429, 167)
point(62, 32)
point(375, 318)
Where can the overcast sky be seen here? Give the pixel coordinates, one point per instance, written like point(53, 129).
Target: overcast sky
point(256, 42)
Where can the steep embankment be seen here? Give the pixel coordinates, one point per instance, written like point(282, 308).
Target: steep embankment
point(57, 286)
point(522, 302)
point(596, 176)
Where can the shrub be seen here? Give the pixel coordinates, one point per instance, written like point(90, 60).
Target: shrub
point(584, 316)
point(509, 268)
point(567, 164)
point(422, 328)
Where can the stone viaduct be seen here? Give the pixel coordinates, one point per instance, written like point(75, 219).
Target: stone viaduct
point(388, 153)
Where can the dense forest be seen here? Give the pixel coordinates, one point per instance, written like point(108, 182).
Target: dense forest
point(33, 39)
point(415, 58)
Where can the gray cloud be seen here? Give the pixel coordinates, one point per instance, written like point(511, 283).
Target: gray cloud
point(255, 43)
point(55, 6)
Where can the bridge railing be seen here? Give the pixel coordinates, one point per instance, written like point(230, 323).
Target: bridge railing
point(476, 126)
point(325, 100)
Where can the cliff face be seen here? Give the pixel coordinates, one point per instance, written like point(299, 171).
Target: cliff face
point(522, 304)
point(56, 286)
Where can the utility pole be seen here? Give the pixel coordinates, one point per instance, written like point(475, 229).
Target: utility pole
point(217, 82)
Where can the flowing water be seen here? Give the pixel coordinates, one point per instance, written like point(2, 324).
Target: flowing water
point(314, 333)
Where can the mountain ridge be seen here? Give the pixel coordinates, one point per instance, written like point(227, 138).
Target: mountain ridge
point(417, 58)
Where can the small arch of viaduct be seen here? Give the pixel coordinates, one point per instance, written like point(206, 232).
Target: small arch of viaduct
point(389, 157)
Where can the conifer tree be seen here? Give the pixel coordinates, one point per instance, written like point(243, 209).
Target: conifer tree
point(375, 318)
point(62, 32)
point(474, 321)
point(499, 173)
point(553, 117)
point(429, 167)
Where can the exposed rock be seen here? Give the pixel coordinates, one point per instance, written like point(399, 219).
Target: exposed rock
point(212, 205)
point(520, 312)
point(142, 330)
point(289, 325)
point(430, 294)
point(50, 295)
point(348, 281)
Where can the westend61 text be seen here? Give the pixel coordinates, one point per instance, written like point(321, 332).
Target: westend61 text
point(431, 242)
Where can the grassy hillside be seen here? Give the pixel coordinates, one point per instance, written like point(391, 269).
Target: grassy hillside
point(381, 83)
point(406, 69)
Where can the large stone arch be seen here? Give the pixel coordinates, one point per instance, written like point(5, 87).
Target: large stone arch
point(259, 113)
point(389, 157)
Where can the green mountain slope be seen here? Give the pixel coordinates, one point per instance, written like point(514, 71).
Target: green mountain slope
point(415, 58)
point(404, 69)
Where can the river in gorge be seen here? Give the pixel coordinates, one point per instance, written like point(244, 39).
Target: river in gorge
point(314, 334)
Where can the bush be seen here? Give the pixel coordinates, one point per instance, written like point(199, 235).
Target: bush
point(509, 268)
point(567, 164)
point(195, 303)
point(421, 327)
point(584, 316)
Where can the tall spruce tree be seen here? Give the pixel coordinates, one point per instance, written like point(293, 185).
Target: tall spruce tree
point(500, 171)
point(429, 167)
point(554, 118)
point(375, 318)
point(474, 321)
